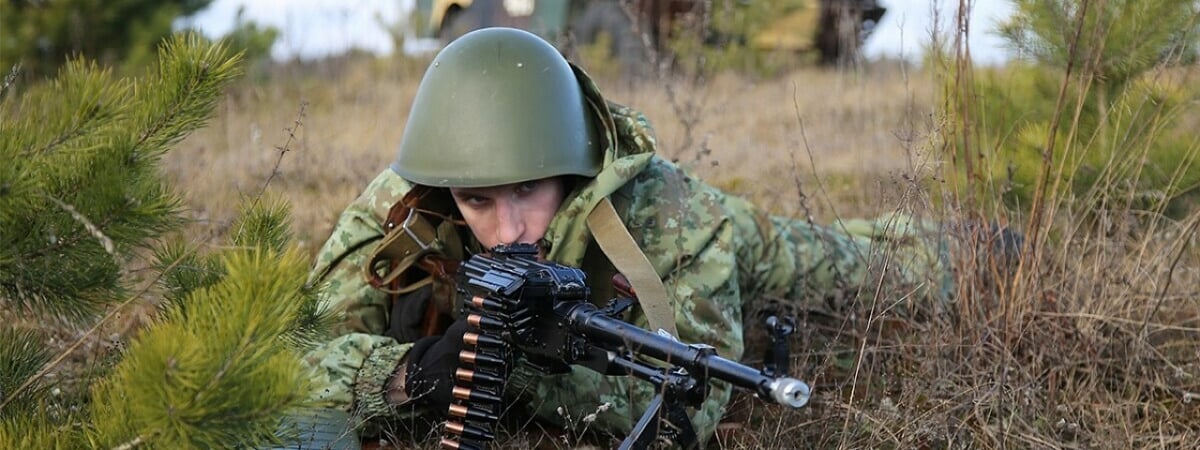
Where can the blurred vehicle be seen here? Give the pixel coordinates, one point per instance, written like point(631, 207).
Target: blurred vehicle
point(834, 29)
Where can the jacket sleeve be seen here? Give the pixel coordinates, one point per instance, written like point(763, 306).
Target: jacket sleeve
point(798, 265)
point(355, 366)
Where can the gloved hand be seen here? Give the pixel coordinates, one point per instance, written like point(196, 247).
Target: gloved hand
point(410, 312)
point(408, 315)
point(431, 365)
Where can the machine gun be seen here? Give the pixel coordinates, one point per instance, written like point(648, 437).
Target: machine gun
point(518, 307)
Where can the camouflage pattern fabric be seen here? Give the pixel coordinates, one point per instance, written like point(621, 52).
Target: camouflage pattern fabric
point(715, 253)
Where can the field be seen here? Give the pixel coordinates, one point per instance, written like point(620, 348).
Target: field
point(752, 137)
point(1092, 342)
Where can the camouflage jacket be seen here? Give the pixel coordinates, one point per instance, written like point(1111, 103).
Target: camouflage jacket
point(715, 253)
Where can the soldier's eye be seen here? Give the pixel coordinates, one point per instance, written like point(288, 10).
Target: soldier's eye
point(527, 187)
point(469, 199)
point(474, 200)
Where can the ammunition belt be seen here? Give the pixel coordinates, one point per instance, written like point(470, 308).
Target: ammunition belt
point(483, 370)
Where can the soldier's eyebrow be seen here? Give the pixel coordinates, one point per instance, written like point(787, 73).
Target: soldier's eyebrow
point(468, 192)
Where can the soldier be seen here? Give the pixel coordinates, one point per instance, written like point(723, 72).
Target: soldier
point(506, 143)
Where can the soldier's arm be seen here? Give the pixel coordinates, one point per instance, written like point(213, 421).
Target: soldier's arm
point(820, 268)
point(355, 366)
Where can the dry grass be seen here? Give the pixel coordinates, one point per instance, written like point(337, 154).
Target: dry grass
point(740, 134)
point(1093, 343)
point(340, 122)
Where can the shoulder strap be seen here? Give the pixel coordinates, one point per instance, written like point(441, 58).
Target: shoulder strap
point(623, 251)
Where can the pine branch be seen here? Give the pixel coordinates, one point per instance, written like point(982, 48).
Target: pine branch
point(74, 346)
point(21, 356)
point(193, 273)
point(84, 186)
point(36, 431)
point(216, 373)
point(263, 223)
point(80, 102)
point(204, 69)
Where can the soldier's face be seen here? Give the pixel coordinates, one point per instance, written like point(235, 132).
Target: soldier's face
point(517, 213)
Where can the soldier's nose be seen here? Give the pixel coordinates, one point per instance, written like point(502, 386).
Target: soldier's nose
point(509, 225)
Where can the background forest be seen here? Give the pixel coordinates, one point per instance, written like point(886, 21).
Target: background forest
point(163, 195)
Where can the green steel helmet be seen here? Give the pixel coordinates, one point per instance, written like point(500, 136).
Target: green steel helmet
point(498, 106)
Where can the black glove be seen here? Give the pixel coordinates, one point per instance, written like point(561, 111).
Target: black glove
point(431, 365)
point(408, 315)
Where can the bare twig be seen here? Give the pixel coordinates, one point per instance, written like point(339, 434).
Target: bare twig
point(135, 443)
point(91, 228)
point(1162, 294)
point(286, 147)
point(1034, 227)
point(10, 79)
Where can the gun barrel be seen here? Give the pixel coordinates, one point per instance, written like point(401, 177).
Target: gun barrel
point(699, 360)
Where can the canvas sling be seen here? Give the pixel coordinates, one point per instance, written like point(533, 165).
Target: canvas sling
point(615, 241)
